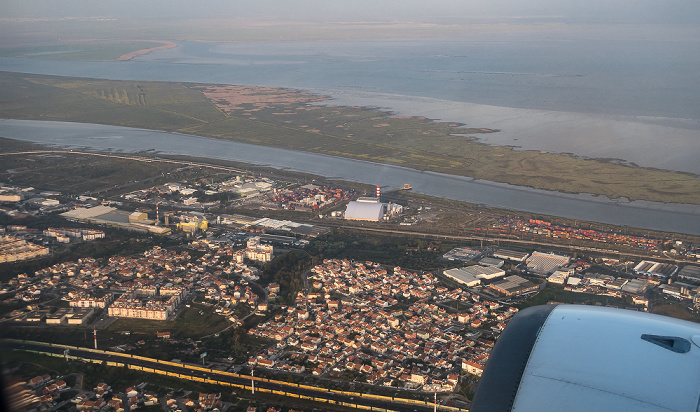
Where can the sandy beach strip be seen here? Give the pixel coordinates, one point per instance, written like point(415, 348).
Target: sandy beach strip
point(165, 45)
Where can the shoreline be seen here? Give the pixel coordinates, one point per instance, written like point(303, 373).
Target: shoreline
point(621, 139)
point(668, 217)
point(461, 155)
point(223, 102)
point(166, 45)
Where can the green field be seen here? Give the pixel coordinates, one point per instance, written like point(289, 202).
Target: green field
point(359, 133)
point(189, 323)
point(675, 310)
point(557, 294)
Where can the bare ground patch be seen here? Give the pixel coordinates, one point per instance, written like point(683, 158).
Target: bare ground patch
point(229, 98)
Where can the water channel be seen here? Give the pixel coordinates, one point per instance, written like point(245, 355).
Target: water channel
point(670, 217)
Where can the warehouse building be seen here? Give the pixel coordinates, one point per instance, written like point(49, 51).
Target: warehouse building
point(485, 272)
point(560, 276)
point(464, 254)
point(513, 285)
point(111, 216)
point(690, 273)
point(137, 217)
point(473, 275)
point(89, 213)
point(489, 261)
point(636, 287)
point(463, 277)
point(59, 317)
point(545, 263)
point(80, 316)
point(365, 208)
point(508, 254)
point(655, 269)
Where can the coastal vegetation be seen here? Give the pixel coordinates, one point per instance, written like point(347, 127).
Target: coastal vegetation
point(295, 120)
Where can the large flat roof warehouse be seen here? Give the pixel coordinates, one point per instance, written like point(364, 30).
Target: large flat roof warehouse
point(545, 263)
point(113, 217)
point(489, 261)
point(462, 276)
point(117, 216)
point(470, 274)
point(462, 253)
point(88, 213)
point(513, 285)
point(238, 219)
point(285, 240)
point(485, 272)
point(273, 223)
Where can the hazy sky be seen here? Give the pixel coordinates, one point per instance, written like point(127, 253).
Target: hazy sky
point(573, 11)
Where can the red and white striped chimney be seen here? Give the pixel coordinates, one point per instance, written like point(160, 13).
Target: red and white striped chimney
point(378, 192)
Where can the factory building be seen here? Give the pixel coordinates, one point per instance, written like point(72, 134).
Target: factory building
point(561, 275)
point(365, 208)
point(690, 273)
point(193, 227)
point(80, 316)
point(655, 269)
point(513, 285)
point(10, 197)
point(489, 261)
point(59, 317)
point(545, 263)
point(508, 254)
point(464, 254)
point(463, 277)
point(371, 209)
point(137, 217)
point(636, 287)
point(74, 316)
point(472, 275)
point(106, 215)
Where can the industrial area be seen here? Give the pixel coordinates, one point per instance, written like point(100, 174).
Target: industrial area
point(221, 237)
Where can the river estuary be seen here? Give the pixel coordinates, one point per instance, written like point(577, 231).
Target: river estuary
point(92, 137)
